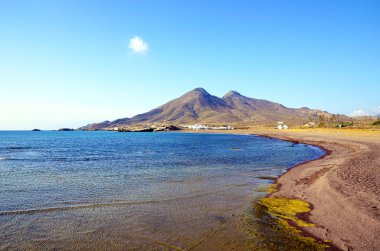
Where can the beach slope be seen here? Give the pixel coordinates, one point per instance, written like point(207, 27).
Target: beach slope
point(343, 187)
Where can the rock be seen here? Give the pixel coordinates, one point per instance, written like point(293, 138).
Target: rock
point(173, 128)
point(135, 129)
point(167, 128)
point(66, 129)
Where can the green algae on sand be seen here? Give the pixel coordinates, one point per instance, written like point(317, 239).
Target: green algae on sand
point(287, 209)
point(274, 225)
point(271, 188)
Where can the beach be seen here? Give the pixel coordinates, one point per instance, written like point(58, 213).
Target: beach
point(342, 187)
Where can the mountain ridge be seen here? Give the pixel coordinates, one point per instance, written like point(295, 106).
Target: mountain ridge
point(199, 106)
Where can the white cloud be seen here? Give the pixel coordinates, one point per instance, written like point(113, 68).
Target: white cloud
point(138, 45)
point(370, 112)
point(358, 113)
point(376, 111)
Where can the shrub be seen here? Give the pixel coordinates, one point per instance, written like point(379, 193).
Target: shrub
point(376, 123)
point(344, 124)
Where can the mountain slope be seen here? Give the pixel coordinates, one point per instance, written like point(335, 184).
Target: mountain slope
point(198, 106)
point(195, 105)
point(250, 109)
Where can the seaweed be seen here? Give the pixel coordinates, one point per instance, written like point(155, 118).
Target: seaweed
point(274, 224)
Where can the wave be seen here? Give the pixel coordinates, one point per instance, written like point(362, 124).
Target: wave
point(55, 209)
point(67, 159)
point(16, 148)
point(96, 205)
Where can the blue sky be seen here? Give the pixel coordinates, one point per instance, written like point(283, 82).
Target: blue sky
point(69, 63)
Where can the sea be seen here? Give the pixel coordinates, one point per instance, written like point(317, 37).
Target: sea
point(76, 190)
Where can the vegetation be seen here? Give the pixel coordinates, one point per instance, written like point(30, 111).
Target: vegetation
point(338, 124)
point(273, 225)
point(344, 124)
point(362, 123)
point(325, 120)
point(376, 123)
point(286, 209)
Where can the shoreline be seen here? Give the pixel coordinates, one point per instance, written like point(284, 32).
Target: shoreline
point(215, 215)
point(302, 216)
point(341, 186)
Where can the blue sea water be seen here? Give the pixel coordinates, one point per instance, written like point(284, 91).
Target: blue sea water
point(45, 169)
point(57, 169)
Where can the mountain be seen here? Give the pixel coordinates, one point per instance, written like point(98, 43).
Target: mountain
point(199, 106)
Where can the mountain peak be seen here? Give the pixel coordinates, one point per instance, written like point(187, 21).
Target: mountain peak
point(200, 90)
point(232, 93)
point(197, 92)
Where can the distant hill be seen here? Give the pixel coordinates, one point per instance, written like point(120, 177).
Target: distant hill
point(198, 106)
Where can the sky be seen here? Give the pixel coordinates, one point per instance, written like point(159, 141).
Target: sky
point(70, 63)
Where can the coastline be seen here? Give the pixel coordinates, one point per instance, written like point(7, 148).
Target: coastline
point(342, 187)
point(215, 215)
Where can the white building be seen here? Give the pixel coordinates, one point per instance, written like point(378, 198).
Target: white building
point(222, 128)
point(197, 127)
point(206, 127)
point(281, 126)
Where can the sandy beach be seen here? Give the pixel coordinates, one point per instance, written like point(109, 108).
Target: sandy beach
point(343, 187)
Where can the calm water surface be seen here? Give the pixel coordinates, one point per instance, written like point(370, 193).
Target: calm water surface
point(152, 191)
